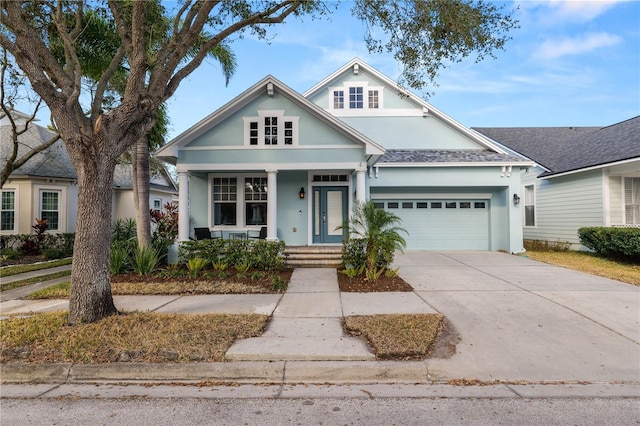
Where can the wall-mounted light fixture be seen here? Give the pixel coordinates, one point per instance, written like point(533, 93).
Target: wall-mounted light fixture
point(516, 199)
point(301, 193)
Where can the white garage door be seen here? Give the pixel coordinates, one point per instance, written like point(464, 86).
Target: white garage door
point(442, 224)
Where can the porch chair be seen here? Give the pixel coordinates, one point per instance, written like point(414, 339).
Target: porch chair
point(258, 235)
point(202, 233)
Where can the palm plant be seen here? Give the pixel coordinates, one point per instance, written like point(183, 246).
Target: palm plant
point(379, 230)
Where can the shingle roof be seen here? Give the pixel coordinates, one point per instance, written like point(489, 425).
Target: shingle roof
point(123, 178)
point(566, 149)
point(53, 162)
point(446, 156)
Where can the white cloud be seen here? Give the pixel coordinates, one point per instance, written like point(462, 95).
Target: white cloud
point(564, 11)
point(553, 49)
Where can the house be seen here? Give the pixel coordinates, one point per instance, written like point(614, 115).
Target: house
point(45, 187)
point(162, 190)
point(297, 164)
point(584, 176)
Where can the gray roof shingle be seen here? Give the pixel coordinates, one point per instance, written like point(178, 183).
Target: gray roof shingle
point(446, 156)
point(53, 162)
point(566, 149)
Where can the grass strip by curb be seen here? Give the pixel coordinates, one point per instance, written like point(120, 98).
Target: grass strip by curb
point(397, 336)
point(130, 337)
point(7, 271)
point(34, 280)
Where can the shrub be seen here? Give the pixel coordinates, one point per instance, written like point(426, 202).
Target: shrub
point(196, 265)
point(53, 253)
point(615, 243)
point(267, 255)
point(9, 253)
point(264, 255)
point(120, 253)
point(144, 260)
point(546, 245)
point(123, 229)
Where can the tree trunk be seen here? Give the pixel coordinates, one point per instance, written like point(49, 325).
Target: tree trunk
point(91, 298)
point(141, 180)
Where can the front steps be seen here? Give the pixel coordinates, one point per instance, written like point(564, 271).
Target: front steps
point(313, 256)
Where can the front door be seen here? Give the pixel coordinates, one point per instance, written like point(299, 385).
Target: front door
point(329, 212)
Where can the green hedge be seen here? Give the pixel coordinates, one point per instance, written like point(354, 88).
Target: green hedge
point(260, 254)
point(616, 243)
point(50, 246)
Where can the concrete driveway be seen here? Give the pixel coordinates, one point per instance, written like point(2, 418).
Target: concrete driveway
point(518, 319)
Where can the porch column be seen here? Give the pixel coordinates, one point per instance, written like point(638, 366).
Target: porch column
point(272, 205)
point(360, 185)
point(183, 206)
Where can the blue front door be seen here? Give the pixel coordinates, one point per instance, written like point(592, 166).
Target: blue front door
point(329, 212)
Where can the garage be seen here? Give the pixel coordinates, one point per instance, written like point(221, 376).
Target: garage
point(442, 224)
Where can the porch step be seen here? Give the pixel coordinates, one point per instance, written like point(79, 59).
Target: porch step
point(314, 256)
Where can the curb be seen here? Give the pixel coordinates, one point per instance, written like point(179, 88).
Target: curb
point(277, 372)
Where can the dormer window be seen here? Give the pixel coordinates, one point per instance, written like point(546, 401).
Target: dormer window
point(360, 97)
point(271, 128)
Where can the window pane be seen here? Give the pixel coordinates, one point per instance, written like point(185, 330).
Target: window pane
point(7, 221)
point(407, 205)
point(421, 205)
point(224, 213)
point(465, 205)
point(338, 99)
point(355, 98)
point(256, 213)
point(436, 205)
point(479, 205)
point(450, 205)
point(392, 205)
point(373, 99)
point(8, 200)
point(529, 216)
point(52, 219)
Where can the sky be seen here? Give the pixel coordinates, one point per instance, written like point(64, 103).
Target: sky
point(571, 63)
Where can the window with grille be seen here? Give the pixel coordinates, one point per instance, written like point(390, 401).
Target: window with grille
point(49, 208)
point(8, 211)
point(255, 198)
point(225, 198)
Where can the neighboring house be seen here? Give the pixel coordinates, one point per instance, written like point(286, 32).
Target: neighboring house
point(297, 164)
point(584, 176)
point(162, 190)
point(45, 187)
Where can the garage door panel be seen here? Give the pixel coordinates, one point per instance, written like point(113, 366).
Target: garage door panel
point(443, 228)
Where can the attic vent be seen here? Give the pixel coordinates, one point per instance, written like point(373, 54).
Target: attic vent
point(356, 68)
point(270, 89)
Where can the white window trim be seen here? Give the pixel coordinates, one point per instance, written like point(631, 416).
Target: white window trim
point(153, 202)
point(280, 114)
point(624, 201)
point(62, 204)
point(535, 207)
point(365, 96)
point(16, 216)
point(240, 201)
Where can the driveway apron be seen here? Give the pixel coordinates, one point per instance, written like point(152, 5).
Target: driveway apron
point(518, 319)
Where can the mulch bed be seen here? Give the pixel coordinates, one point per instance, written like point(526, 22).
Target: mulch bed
point(22, 260)
point(361, 285)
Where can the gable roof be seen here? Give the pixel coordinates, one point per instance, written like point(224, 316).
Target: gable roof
point(159, 180)
point(169, 152)
point(53, 162)
point(409, 96)
point(566, 150)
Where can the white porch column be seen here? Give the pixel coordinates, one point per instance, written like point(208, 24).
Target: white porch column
point(360, 185)
point(183, 206)
point(272, 205)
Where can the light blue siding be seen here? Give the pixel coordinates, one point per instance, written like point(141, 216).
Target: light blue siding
point(565, 204)
point(411, 133)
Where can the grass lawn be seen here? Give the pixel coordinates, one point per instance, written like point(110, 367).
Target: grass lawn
point(590, 263)
point(28, 281)
point(7, 271)
point(135, 337)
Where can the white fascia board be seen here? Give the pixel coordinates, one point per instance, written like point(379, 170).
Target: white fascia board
point(586, 169)
point(215, 167)
point(412, 97)
point(459, 164)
